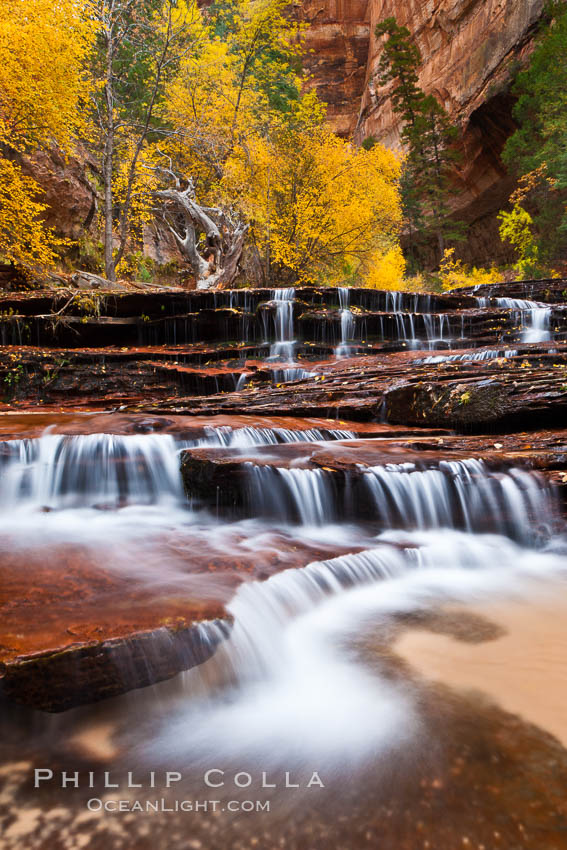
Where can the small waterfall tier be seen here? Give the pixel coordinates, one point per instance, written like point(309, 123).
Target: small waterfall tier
point(347, 324)
point(290, 322)
point(104, 470)
point(463, 494)
point(284, 346)
point(534, 319)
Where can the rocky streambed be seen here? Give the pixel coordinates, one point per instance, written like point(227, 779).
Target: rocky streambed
point(290, 409)
point(283, 534)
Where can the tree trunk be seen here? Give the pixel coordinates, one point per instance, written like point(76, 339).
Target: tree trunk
point(231, 259)
point(108, 162)
point(107, 175)
point(219, 265)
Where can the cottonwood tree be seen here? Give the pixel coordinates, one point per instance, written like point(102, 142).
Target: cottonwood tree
point(140, 44)
point(242, 76)
point(40, 108)
point(322, 209)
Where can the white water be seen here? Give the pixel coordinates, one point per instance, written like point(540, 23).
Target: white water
point(248, 437)
point(436, 329)
point(284, 346)
point(533, 317)
point(297, 692)
point(284, 376)
point(456, 494)
point(347, 324)
point(460, 494)
point(92, 470)
point(481, 354)
point(290, 686)
point(107, 471)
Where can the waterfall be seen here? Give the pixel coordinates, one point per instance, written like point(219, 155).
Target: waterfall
point(483, 303)
point(89, 471)
point(539, 326)
point(482, 354)
point(347, 323)
point(459, 494)
point(306, 494)
point(436, 328)
point(248, 437)
point(296, 686)
point(284, 376)
point(405, 329)
point(242, 381)
point(456, 494)
point(104, 470)
point(284, 345)
point(535, 318)
point(394, 301)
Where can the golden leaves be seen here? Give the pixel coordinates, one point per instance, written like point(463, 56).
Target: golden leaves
point(43, 81)
point(24, 239)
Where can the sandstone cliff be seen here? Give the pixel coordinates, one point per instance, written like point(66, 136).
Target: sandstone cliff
point(471, 49)
point(337, 45)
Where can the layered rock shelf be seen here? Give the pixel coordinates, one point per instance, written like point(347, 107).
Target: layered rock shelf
point(253, 395)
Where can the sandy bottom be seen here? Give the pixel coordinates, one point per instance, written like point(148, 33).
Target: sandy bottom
point(521, 665)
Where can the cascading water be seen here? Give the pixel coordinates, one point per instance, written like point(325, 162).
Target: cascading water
point(248, 437)
point(89, 471)
point(347, 323)
point(295, 686)
point(421, 330)
point(475, 356)
point(284, 346)
point(534, 318)
point(284, 376)
point(459, 494)
point(436, 329)
point(104, 470)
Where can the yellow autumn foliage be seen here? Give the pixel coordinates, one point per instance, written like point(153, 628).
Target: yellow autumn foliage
point(43, 44)
point(454, 273)
point(322, 211)
point(387, 270)
point(220, 99)
point(24, 239)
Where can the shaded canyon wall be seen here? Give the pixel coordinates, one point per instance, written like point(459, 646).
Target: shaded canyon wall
point(471, 50)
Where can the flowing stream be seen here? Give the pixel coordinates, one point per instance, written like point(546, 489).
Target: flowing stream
point(316, 566)
point(533, 318)
point(283, 687)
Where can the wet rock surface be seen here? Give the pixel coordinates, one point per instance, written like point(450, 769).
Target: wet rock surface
point(426, 380)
